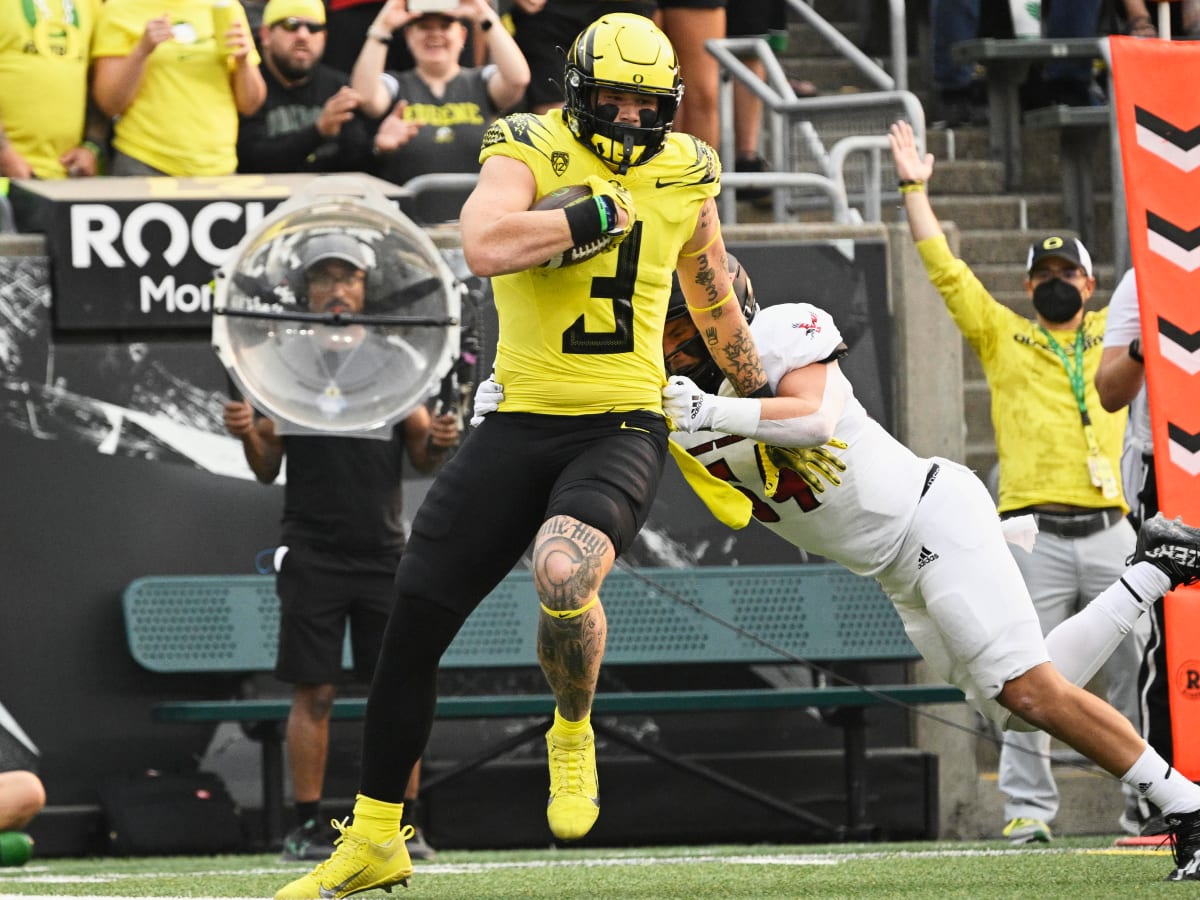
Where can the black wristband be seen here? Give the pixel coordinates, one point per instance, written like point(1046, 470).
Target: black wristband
point(1135, 350)
point(762, 393)
point(590, 218)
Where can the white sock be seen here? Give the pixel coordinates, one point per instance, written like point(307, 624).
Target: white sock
point(1148, 581)
point(1151, 777)
point(1080, 645)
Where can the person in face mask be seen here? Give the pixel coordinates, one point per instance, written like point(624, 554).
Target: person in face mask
point(1059, 453)
point(1060, 280)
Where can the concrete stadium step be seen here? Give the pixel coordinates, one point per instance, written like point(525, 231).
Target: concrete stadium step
point(971, 211)
point(805, 43)
point(832, 75)
point(998, 246)
point(950, 144)
point(968, 176)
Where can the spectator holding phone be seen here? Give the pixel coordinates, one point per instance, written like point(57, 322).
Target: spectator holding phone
point(174, 85)
point(439, 110)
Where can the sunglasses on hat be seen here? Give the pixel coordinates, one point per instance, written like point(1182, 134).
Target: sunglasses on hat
point(293, 24)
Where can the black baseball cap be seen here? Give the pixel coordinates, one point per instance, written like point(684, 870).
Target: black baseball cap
point(336, 246)
point(1059, 247)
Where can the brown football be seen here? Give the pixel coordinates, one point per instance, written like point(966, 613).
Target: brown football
point(559, 198)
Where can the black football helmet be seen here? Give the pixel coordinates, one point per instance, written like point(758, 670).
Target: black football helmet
point(626, 53)
point(706, 374)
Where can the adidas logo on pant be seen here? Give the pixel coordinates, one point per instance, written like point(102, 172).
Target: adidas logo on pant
point(925, 557)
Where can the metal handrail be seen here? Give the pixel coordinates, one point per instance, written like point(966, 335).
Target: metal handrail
point(441, 181)
point(781, 103)
point(831, 188)
point(872, 70)
point(873, 146)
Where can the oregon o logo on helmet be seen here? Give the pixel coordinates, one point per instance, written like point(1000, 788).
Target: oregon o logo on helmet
point(1052, 243)
point(1187, 679)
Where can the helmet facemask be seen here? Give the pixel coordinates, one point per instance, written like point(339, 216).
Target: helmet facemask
point(705, 372)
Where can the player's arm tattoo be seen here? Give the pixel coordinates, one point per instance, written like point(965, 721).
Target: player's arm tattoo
point(737, 357)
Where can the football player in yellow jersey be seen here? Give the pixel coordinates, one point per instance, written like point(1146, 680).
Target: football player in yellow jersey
point(573, 459)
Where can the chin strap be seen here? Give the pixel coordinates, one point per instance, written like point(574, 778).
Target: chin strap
point(626, 155)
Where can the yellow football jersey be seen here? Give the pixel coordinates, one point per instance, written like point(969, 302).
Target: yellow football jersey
point(44, 52)
point(183, 119)
point(588, 338)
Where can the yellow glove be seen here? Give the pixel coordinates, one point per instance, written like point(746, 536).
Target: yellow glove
point(619, 195)
point(811, 463)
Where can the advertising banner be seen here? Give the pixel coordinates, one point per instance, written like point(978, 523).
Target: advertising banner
point(139, 253)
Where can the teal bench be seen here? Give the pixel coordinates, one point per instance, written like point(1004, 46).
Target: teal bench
point(744, 614)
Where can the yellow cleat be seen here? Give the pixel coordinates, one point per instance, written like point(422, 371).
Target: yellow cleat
point(356, 865)
point(574, 803)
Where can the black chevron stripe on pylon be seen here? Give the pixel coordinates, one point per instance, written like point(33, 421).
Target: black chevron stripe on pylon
point(1169, 131)
point(1179, 347)
point(1167, 140)
point(1188, 340)
point(1177, 244)
point(1185, 439)
point(1184, 449)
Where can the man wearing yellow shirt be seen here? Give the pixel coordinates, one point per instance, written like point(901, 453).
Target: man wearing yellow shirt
point(1059, 454)
point(175, 85)
point(44, 53)
point(45, 48)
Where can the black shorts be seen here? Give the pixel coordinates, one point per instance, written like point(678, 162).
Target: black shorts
point(512, 474)
point(755, 18)
point(545, 37)
point(319, 590)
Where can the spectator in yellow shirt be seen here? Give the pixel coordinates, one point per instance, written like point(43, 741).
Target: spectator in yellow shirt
point(44, 54)
point(175, 84)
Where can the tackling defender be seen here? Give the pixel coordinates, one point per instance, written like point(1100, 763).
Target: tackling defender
point(573, 459)
point(927, 530)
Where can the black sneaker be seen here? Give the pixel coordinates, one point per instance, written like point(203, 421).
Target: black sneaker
point(753, 164)
point(309, 841)
point(1170, 546)
point(1185, 844)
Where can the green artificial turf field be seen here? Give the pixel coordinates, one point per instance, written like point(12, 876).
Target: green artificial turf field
point(1069, 868)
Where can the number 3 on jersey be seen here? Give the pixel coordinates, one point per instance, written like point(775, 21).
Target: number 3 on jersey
point(618, 288)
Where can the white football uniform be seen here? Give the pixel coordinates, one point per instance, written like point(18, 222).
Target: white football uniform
point(925, 528)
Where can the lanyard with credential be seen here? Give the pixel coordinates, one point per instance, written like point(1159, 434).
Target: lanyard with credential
point(1100, 470)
